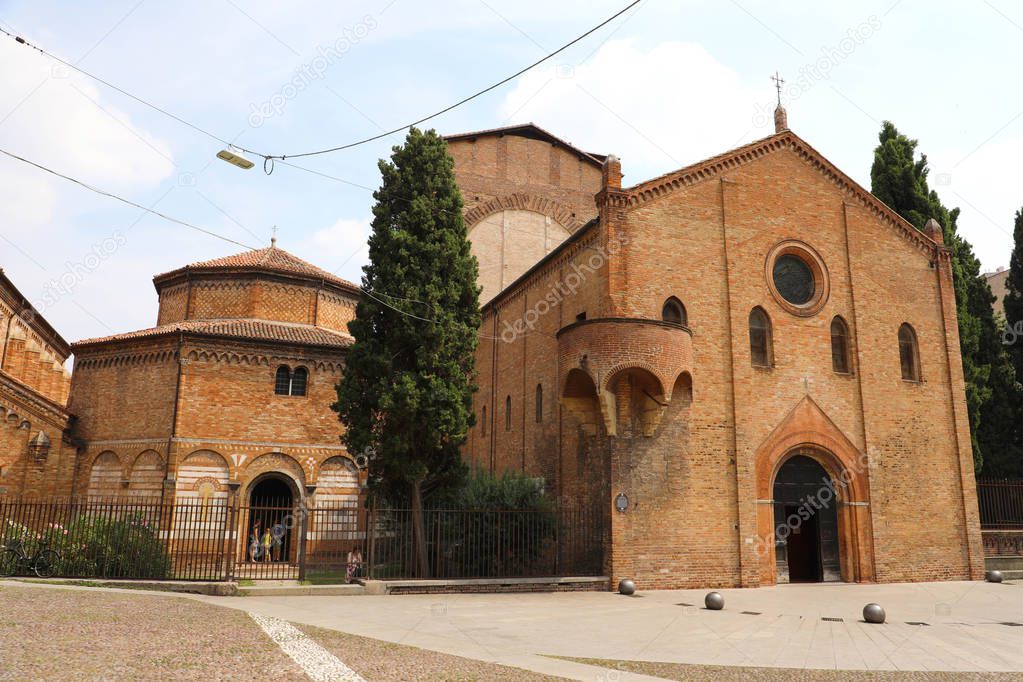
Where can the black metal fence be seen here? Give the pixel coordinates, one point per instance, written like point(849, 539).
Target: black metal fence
point(482, 543)
point(1001, 503)
point(220, 540)
point(122, 538)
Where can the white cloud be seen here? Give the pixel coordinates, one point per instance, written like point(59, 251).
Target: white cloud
point(61, 120)
point(340, 248)
point(658, 108)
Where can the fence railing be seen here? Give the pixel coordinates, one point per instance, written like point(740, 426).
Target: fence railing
point(1000, 502)
point(222, 540)
point(482, 543)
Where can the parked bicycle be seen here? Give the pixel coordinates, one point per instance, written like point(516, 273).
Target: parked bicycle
point(14, 560)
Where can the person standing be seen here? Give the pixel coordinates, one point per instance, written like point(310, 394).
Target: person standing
point(266, 545)
point(354, 566)
point(254, 550)
point(278, 532)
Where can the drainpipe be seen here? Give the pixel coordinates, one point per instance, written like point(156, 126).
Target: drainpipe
point(174, 419)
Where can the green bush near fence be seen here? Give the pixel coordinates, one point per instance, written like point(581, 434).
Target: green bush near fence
point(97, 546)
point(500, 526)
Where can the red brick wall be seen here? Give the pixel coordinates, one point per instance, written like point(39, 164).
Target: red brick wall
point(228, 393)
point(705, 239)
point(260, 297)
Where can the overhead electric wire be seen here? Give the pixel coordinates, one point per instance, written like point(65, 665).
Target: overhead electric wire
point(466, 99)
point(124, 92)
point(125, 201)
point(373, 138)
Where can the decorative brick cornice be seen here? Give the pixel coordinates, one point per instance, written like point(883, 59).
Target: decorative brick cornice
point(23, 398)
point(523, 201)
point(715, 166)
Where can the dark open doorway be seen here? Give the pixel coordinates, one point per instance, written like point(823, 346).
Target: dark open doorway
point(805, 522)
point(271, 508)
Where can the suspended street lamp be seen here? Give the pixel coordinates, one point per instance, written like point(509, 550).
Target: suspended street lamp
point(234, 156)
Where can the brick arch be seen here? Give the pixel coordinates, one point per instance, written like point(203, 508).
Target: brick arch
point(275, 462)
point(612, 374)
point(200, 469)
point(808, 431)
point(525, 202)
point(632, 406)
point(147, 474)
point(106, 471)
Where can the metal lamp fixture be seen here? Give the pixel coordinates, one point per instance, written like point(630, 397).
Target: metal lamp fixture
point(235, 157)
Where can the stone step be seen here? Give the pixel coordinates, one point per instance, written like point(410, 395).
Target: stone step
point(1003, 563)
point(456, 585)
point(293, 588)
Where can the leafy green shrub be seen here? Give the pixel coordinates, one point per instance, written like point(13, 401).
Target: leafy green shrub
point(499, 526)
point(118, 548)
point(95, 545)
point(511, 490)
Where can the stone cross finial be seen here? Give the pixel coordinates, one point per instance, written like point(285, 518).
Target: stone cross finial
point(273, 239)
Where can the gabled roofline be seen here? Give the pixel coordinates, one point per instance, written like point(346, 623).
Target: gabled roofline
point(533, 132)
point(540, 264)
point(717, 165)
point(19, 303)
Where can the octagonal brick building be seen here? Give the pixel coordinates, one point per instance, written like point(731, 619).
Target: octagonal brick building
point(230, 392)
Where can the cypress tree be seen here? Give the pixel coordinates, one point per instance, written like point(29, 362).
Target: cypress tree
point(406, 394)
point(1014, 298)
point(899, 179)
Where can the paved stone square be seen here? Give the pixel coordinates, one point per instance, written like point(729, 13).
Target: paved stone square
point(953, 626)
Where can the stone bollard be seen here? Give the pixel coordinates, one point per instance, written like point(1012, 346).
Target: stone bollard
point(626, 587)
point(873, 613)
point(993, 576)
point(714, 601)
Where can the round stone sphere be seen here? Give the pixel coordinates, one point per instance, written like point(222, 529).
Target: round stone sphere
point(714, 601)
point(994, 576)
point(627, 587)
point(873, 613)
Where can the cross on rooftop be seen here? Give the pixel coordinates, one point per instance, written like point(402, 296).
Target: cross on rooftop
point(778, 82)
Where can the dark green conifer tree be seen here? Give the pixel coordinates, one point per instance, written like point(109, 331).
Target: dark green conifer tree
point(899, 179)
point(405, 398)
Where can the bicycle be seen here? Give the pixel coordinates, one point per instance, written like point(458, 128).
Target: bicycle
point(14, 560)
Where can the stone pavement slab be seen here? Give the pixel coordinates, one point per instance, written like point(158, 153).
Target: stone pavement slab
point(953, 626)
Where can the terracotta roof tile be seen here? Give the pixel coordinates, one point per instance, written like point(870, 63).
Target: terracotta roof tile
point(246, 329)
point(271, 259)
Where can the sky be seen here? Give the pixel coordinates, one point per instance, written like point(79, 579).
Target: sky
point(666, 84)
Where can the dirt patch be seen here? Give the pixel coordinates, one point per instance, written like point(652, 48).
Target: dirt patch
point(56, 634)
point(381, 661)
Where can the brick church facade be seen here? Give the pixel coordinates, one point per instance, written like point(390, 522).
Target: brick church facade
point(748, 369)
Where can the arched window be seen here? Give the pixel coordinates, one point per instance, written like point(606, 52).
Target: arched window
point(840, 362)
point(483, 421)
point(299, 379)
point(287, 382)
point(673, 311)
point(539, 403)
point(507, 413)
point(760, 338)
point(909, 353)
point(282, 380)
